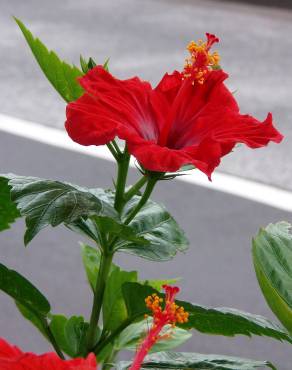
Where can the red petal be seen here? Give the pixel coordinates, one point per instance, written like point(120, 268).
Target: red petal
point(170, 85)
point(158, 158)
point(246, 129)
point(108, 104)
point(11, 358)
point(8, 351)
point(85, 125)
point(190, 103)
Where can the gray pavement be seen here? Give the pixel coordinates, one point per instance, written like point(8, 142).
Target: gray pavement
point(148, 37)
point(216, 271)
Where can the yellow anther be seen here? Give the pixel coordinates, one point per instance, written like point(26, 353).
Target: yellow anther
point(200, 60)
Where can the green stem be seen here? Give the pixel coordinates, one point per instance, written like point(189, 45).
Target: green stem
point(100, 346)
point(115, 145)
point(123, 167)
point(113, 151)
point(104, 269)
point(109, 361)
point(135, 188)
point(52, 339)
point(146, 195)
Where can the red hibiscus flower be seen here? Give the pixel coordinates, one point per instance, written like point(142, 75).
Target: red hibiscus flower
point(12, 358)
point(189, 118)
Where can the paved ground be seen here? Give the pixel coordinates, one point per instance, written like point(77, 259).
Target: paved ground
point(216, 271)
point(148, 37)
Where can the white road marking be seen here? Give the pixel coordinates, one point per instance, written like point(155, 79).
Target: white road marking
point(261, 193)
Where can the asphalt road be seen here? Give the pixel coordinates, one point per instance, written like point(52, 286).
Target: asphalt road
point(216, 271)
point(148, 38)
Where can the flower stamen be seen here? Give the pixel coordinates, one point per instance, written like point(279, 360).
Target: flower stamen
point(201, 61)
point(164, 312)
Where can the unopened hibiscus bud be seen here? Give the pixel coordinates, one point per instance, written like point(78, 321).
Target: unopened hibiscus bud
point(165, 312)
point(201, 61)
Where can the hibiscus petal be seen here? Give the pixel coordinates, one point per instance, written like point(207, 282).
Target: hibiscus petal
point(7, 350)
point(157, 158)
point(225, 132)
point(192, 102)
point(246, 129)
point(12, 358)
point(107, 104)
point(85, 125)
point(170, 85)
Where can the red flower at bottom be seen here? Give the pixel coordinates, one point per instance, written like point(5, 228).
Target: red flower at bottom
point(12, 358)
point(189, 118)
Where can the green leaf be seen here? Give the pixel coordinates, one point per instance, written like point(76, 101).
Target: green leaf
point(87, 65)
point(91, 261)
point(184, 360)
point(57, 326)
point(86, 227)
point(220, 321)
point(20, 289)
point(60, 74)
point(112, 227)
point(114, 307)
point(131, 337)
point(70, 334)
point(106, 64)
point(48, 202)
point(34, 318)
point(134, 295)
point(8, 209)
point(75, 333)
point(272, 256)
point(156, 225)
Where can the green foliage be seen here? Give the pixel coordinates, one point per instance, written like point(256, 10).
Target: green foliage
point(134, 295)
point(33, 317)
point(86, 227)
point(20, 289)
point(70, 334)
point(31, 303)
point(60, 74)
point(86, 65)
point(47, 202)
point(110, 226)
point(272, 256)
point(220, 321)
point(157, 226)
point(91, 261)
point(131, 336)
point(183, 360)
point(114, 307)
point(8, 210)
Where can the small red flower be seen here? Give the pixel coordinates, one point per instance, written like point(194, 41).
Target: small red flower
point(169, 314)
point(12, 358)
point(189, 118)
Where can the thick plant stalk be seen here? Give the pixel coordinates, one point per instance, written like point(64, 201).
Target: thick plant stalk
point(105, 265)
point(123, 166)
point(135, 188)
